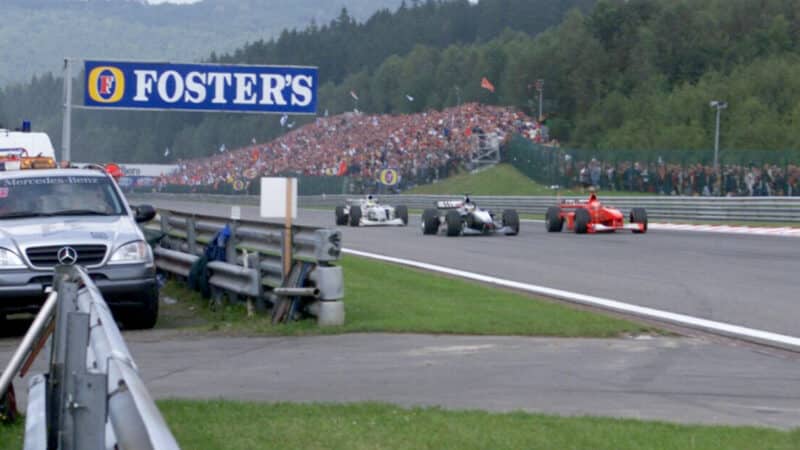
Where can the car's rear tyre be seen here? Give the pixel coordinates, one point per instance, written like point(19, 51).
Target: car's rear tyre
point(582, 219)
point(553, 220)
point(453, 221)
point(402, 212)
point(341, 217)
point(355, 217)
point(430, 221)
point(511, 220)
point(639, 215)
point(145, 316)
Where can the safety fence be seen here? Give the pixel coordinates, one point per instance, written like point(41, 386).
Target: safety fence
point(665, 208)
point(92, 397)
point(253, 263)
point(666, 171)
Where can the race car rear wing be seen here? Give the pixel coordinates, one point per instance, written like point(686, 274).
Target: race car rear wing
point(449, 204)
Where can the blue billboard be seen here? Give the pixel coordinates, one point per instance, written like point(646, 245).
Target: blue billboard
point(200, 87)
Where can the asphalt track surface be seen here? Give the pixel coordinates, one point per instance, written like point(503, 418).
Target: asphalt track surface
point(674, 379)
point(752, 281)
point(741, 279)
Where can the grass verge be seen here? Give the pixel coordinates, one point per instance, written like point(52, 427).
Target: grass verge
point(244, 425)
point(382, 297)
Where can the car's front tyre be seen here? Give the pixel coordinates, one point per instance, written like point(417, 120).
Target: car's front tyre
point(453, 221)
point(511, 220)
point(355, 217)
point(639, 215)
point(430, 221)
point(582, 219)
point(402, 212)
point(341, 217)
point(143, 317)
point(553, 220)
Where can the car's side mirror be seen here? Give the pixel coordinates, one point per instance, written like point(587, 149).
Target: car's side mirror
point(144, 213)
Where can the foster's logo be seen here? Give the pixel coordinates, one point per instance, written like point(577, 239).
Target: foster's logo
point(106, 84)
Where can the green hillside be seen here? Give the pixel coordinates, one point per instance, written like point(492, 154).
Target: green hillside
point(502, 179)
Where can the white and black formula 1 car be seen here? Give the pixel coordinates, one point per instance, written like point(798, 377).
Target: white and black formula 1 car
point(369, 212)
point(463, 217)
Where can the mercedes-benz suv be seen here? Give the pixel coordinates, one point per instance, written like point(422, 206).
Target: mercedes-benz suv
point(74, 216)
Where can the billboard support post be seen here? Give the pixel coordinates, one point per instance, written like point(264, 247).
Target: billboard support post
point(66, 124)
point(287, 240)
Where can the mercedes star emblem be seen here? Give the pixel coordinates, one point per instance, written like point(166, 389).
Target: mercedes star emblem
point(67, 256)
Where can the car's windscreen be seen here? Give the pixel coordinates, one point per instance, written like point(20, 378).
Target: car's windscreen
point(58, 196)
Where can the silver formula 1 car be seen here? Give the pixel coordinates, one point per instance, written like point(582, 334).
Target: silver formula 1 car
point(463, 217)
point(369, 212)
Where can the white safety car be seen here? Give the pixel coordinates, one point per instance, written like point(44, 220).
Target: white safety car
point(463, 217)
point(369, 212)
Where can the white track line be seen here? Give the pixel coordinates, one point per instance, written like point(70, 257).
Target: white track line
point(736, 331)
point(728, 229)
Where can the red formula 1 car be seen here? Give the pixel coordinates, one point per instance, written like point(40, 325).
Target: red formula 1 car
point(592, 217)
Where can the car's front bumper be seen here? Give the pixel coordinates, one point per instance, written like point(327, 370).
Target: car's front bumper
point(23, 290)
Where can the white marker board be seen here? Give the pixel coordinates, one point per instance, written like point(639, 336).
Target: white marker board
point(275, 194)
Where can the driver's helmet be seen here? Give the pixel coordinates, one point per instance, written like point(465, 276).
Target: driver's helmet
point(469, 205)
point(371, 200)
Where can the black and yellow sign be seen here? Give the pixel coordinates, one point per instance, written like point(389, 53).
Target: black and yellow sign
point(389, 177)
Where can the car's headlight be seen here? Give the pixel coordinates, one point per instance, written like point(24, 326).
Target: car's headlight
point(134, 252)
point(10, 260)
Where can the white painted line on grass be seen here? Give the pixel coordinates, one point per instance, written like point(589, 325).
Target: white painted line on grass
point(736, 331)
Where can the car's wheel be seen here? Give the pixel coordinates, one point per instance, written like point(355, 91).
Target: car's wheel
point(453, 221)
point(553, 220)
point(145, 316)
point(639, 215)
point(402, 212)
point(582, 219)
point(355, 217)
point(511, 220)
point(341, 217)
point(430, 221)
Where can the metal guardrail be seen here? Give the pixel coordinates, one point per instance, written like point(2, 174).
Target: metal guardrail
point(92, 398)
point(732, 209)
point(254, 266)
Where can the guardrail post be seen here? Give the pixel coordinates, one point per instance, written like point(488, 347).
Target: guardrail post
point(36, 414)
point(67, 295)
point(191, 234)
point(261, 304)
point(164, 216)
point(83, 401)
point(233, 242)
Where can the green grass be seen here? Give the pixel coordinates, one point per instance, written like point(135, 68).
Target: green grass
point(502, 179)
point(200, 425)
point(381, 297)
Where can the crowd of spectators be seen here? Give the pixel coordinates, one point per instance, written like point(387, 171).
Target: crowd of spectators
point(428, 146)
point(683, 179)
point(420, 147)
